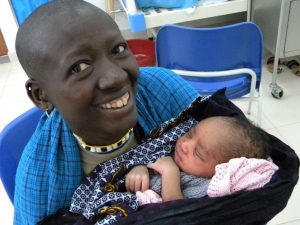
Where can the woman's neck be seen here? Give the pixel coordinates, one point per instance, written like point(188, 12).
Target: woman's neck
point(104, 148)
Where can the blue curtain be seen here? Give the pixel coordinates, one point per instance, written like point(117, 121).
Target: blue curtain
point(23, 8)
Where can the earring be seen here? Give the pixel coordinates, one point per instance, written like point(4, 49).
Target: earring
point(47, 109)
point(47, 114)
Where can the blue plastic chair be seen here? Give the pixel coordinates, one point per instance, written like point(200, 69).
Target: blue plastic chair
point(213, 58)
point(13, 139)
point(22, 9)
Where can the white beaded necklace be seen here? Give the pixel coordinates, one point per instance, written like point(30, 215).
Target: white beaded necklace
point(104, 148)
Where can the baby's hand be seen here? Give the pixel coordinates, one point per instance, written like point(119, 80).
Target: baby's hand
point(137, 179)
point(164, 165)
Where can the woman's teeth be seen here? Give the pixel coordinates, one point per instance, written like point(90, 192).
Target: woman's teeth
point(117, 103)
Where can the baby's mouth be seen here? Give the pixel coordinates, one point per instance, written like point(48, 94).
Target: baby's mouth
point(117, 103)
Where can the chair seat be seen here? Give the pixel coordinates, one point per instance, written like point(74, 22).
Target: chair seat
point(235, 88)
point(13, 139)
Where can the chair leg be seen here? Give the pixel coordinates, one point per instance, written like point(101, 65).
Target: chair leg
point(259, 108)
point(259, 112)
point(249, 106)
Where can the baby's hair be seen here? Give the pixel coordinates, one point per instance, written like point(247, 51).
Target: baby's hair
point(243, 139)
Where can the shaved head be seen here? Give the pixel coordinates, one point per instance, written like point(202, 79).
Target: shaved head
point(43, 28)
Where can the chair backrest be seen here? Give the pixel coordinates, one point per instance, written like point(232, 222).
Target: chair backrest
point(210, 49)
point(22, 9)
point(13, 139)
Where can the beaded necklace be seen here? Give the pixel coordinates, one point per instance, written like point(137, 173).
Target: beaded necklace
point(104, 148)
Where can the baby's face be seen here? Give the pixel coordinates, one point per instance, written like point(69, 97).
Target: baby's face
point(194, 152)
point(90, 77)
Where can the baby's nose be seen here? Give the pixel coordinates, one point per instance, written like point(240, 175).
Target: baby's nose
point(185, 146)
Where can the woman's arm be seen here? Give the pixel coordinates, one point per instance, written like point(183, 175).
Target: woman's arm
point(161, 95)
point(170, 174)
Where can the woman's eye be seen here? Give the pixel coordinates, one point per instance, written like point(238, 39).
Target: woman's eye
point(79, 68)
point(120, 49)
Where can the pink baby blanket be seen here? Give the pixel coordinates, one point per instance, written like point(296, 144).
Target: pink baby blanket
point(240, 174)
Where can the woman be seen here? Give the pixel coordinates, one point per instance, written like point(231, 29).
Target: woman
point(97, 102)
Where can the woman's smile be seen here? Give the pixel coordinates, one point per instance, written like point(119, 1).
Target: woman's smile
point(117, 103)
point(118, 107)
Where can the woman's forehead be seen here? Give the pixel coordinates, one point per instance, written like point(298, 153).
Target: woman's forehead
point(80, 23)
point(57, 18)
point(94, 35)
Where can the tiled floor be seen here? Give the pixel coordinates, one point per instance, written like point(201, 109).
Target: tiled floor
point(280, 118)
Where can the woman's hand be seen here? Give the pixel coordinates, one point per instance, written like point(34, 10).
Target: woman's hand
point(137, 179)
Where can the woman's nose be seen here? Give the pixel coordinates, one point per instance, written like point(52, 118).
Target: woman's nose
point(112, 78)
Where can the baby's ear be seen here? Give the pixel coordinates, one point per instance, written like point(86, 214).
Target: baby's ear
point(37, 95)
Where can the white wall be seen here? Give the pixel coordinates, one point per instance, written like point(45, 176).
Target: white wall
point(99, 3)
point(8, 26)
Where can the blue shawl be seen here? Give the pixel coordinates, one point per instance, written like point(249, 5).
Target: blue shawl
point(49, 170)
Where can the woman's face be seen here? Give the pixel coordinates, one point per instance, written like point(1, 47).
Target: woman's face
point(90, 77)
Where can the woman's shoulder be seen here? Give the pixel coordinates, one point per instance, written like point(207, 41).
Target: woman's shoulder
point(165, 82)
point(154, 74)
point(157, 78)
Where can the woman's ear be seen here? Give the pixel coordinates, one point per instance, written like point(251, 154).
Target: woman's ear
point(38, 95)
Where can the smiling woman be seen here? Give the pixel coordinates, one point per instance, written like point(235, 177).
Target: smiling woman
point(83, 76)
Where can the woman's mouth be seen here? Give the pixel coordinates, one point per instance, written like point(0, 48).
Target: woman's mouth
point(117, 103)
